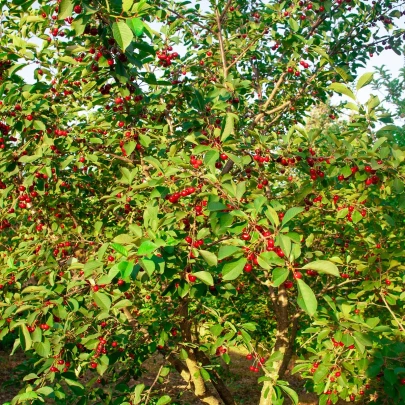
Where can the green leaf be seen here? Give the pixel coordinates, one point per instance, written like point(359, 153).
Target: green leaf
point(209, 257)
point(43, 349)
point(233, 270)
point(272, 215)
point(28, 159)
point(127, 4)
point(147, 248)
point(291, 213)
point(268, 259)
point(123, 239)
point(362, 338)
point(365, 79)
point(211, 157)
point(205, 277)
point(306, 298)
point(122, 34)
point(39, 125)
point(136, 26)
point(229, 127)
point(45, 391)
point(73, 383)
point(216, 329)
point(216, 206)
point(102, 300)
point(290, 392)
point(342, 89)
point(293, 24)
point(356, 217)
point(138, 391)
point(119, 248)
point(279, 276)
point(227, 250)
point(92, 265)
point(65, 9)
point(285, 244)
point(25, 338)
point(323, 266)
point(321, 373)
point(164, 400)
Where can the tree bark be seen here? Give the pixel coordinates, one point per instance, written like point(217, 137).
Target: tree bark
point(201, 391)
point(285, 339)
point(217, 381)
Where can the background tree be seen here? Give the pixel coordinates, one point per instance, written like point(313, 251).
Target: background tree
point(153, 202)
point(391, 91)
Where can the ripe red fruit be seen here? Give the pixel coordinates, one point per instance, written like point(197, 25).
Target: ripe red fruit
point(110, 258)
point(223, 156)
point(248, 268)
point(288, 284)
point(297, 275)
point(192, 278)
point(245, 236)
point(121, 124)
point(77, 9)
point(120, 282)
point(93, 365)
point(96, 288)
point(249, 356)
point(29, 117)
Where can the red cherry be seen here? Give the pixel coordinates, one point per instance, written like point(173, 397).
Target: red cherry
point(110, 258)
point(77, 9)
point(297, 275)
point(245, 236)
point(192, 278)
point(248, 268)
point(93, 365)
point(288, 284)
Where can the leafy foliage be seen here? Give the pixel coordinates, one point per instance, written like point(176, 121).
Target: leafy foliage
point(167, 205)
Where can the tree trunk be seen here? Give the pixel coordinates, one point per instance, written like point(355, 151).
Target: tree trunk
point(217, 381)
point(201, 391)
point(285, 339)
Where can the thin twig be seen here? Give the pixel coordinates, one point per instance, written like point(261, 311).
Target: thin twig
point(225, 10)
point(401, 327)
point(221, 43)
point(191, 21)
point(153, 384)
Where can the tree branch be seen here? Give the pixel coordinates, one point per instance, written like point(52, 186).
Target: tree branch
point(221, 44)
